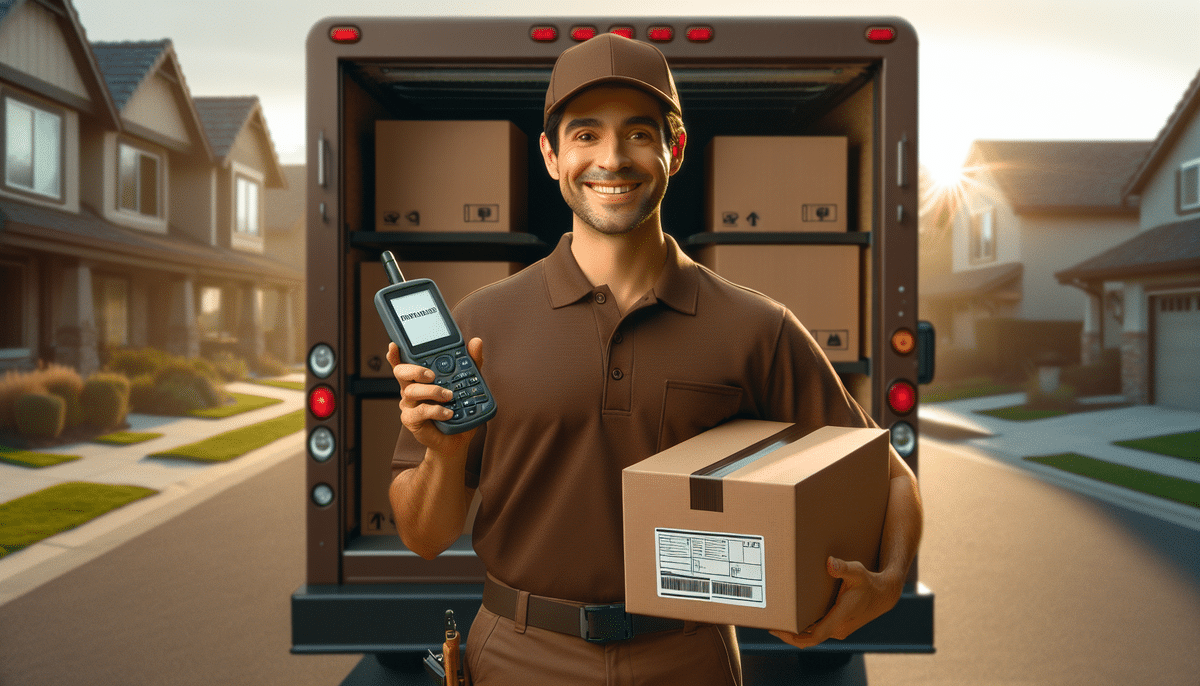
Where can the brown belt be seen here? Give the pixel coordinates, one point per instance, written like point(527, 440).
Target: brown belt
point(592, 623)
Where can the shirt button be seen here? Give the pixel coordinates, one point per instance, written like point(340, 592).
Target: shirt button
point(600, 298)
point(616, 374)
point(618, 338)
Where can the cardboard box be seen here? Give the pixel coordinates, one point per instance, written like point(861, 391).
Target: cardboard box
point(450, 176)
point(776, 183)
point(455, 280)
point(818, 283)
point(383, 414)
point(734, 526)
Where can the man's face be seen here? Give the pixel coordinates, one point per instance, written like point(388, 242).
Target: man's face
point(612, 163)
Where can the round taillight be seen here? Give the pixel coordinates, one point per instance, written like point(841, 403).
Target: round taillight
point(903, 341)
point(322, 495)
point(321, 360)
point(904, 438)
point(321, 402)
point(902, 397)
point(321, 444)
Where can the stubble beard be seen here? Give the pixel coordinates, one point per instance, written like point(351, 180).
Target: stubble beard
point(605, 222)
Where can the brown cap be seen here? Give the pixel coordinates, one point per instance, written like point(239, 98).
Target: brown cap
point(610, 58)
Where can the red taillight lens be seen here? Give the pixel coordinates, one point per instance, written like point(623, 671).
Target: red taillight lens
point(700, 34)
point(626, 31)
point(345, 34)
point(544, 34)
point(582, 33)
point(902, 397)
point(321, 402)
point(660, 34)
point(881, 34)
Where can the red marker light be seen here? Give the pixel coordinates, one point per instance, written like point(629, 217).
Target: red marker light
point(544, 34)
point(345, 34)
point(660, 34)
point(903, 341)
point(902, 397)
point(626, 31)
point(700, 34)
point(881, 34)
point(321, 402)
point(582, 33)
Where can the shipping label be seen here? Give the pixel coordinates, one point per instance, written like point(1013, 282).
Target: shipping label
point(710, 566)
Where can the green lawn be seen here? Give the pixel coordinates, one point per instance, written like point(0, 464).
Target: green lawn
point(971, 388)
point(126, 437)
point(1020, 413)
point(242, 402)
point(1179, 490)
point(237, 442)
point(31, 518)
point(290, 385)
point(35, 460)
point(1185, 446)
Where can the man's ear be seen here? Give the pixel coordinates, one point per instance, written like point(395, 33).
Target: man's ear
point(549, 157)
point(677, 153)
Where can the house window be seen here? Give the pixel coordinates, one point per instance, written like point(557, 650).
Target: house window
point(1189, 186)
point(983, 236)
point(247, 206)
point(32, 149)
point(138, 181)
point(111, 296)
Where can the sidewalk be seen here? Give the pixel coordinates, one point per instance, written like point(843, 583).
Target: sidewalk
point(181, 483)
point(1087, 433)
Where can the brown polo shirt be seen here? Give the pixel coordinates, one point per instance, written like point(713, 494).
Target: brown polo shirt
point(583, 391)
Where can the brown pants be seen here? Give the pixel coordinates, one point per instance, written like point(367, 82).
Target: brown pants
point(501, 653)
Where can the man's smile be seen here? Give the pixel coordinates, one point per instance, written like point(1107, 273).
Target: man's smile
point(610, 189)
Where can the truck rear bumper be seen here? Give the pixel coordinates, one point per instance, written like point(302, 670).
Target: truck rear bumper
point(408, 618)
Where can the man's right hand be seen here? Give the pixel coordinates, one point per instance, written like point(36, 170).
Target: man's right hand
point(421, 402)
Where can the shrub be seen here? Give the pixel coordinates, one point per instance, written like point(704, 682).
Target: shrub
point(229, 366)
point(136, 362)
point(269, 366)
point(105, 400)
point(13, 386)
point(142, 394)
point(40, 415)
point(180, 388)
point(66, 383)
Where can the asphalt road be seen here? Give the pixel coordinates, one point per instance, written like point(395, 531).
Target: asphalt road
point(1034, 585)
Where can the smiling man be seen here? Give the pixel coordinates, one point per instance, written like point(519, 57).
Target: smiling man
point(613, 348)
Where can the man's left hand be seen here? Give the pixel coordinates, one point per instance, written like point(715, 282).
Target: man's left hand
point(864, 595)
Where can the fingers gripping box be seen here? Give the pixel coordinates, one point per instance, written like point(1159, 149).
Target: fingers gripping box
point(734, 525)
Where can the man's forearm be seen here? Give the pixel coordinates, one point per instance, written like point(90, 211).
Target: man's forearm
point(902, 524)
point(430, 504)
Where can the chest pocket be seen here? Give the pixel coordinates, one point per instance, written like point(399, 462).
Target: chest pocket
point(691, 408)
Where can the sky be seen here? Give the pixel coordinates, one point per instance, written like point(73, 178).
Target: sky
point(1008, 69)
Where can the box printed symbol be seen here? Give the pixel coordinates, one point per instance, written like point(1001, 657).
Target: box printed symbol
point(819, 213)
point(729, 218)
point(752, 218)
point(833, 340)
point(391, 217)
point(413, 218)
point(375, 363)
point(481, 213)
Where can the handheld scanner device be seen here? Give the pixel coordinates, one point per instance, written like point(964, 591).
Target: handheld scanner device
point(419, 323)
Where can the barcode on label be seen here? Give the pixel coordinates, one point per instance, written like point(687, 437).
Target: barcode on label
point(676, 583)
point(732, 590)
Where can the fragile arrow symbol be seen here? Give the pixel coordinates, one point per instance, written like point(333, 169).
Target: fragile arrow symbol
point(752, 218)
point(377, 520)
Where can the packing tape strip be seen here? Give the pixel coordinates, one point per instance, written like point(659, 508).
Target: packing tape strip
point(706, 483)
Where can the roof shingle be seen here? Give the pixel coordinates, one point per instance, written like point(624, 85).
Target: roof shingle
point(126, 64)
point(1168, 248)
point(1062, 175)
point(223, 119)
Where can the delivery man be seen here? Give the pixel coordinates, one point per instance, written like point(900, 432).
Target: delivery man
point(611, 349)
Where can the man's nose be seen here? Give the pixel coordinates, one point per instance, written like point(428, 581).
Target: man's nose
point(612, 155)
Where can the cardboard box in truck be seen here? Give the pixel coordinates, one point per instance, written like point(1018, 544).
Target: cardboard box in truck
point(818, 283)
point(449, 176)
point(776, 183)
point(734, 526)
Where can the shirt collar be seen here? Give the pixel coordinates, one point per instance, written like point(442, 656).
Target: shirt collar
point(676, 287)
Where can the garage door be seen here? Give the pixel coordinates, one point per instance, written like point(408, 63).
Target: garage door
point(1177, 351)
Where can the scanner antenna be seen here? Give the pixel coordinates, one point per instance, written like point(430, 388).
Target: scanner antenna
point(393, 270)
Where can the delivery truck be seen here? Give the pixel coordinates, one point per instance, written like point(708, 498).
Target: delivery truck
point(800, 181)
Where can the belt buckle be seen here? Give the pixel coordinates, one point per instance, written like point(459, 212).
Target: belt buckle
point(604, 623)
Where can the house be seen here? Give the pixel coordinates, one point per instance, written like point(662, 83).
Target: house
point(1023, 210)
point(287, 240)
point(1149, 285)
point(114, 220)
